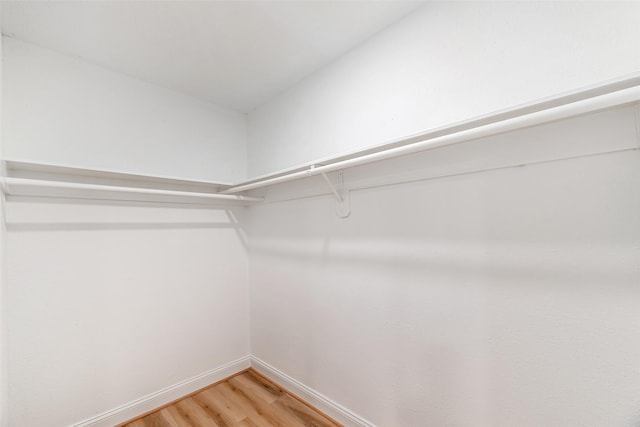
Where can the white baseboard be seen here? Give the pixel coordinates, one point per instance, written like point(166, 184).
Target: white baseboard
point(161, 397)
point(306, 393)
point(168, 394)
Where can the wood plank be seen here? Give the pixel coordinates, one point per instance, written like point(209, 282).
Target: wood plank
point(264, 409)
point(214, 410)
point(267, 384)
point(248, 406)
point(155, 420)
point(247, 423)
point(245, 400)
point(232, 409)
point(305, 415)
point(174, 414)
point(257, 387)
point(194, 414)
point(168, 419)
point(314, 410)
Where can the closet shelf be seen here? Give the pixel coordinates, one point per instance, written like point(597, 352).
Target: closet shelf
point(26, 179)
point(21, 178)
point(74, 190)
point(607, 95)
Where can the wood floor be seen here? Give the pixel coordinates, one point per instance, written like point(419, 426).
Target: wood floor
point(245, 400)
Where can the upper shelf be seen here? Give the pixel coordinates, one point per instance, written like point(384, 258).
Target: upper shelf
point(598, 97)
point(29, 179)
point(23, 178)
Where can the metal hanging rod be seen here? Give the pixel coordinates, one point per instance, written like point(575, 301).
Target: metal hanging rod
point(589, 100)
point(618, 92)
point(36, 187)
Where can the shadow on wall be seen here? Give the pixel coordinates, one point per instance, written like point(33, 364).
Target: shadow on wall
point(503, 298)
point(42, 214)
point(455, 326)
point(460, 258)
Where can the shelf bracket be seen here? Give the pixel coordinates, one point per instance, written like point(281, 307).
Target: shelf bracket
point(342, 195)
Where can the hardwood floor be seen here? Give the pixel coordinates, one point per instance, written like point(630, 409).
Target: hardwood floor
point(244, 400)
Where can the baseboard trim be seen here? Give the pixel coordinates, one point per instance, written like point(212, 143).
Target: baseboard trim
point(168, 394)
point(309, 395)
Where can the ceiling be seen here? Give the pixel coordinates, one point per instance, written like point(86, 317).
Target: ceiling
point(237, 54)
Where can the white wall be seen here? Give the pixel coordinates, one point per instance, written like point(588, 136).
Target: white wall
point(59, 109)
point(4, 376)
point(106, 303)
point(487, 294)
point(110, 303)
point(4, 372)
point(4, 419)
point(447, 62)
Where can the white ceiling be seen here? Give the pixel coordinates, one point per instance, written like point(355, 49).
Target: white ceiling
point(237, 54)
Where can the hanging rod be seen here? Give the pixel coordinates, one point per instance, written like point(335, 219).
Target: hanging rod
point(553, 109)
point(37, 187)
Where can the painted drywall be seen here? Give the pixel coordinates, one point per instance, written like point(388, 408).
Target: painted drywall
point(4, 372)
point(4, 420)
point(446, 62)
point(480, 293)
point(4, 376)
point(62, 110)
point(107, 304)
